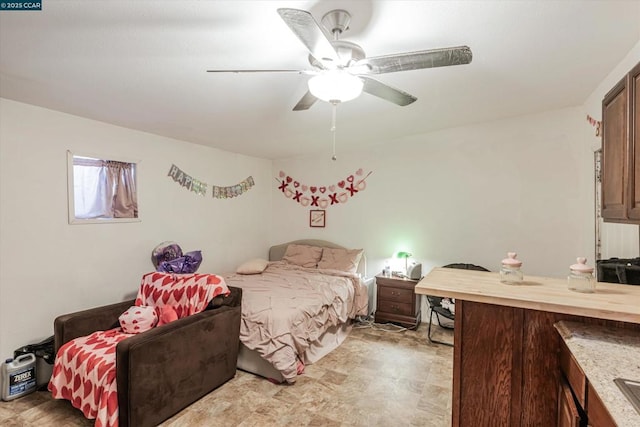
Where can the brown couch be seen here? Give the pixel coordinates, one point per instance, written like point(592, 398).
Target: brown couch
point(161, 371)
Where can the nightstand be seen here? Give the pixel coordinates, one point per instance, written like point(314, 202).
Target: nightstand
point(397, 302)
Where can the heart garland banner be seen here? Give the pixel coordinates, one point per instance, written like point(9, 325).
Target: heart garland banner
point(322, 196)
point(199, 187)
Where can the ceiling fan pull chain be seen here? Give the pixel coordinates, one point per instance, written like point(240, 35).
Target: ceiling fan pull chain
point(334, 146)
point(334, 106)
point(333, 116)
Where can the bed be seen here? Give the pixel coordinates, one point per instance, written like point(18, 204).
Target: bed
point(295, 312)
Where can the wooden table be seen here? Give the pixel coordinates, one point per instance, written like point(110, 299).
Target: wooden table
point(506, 365)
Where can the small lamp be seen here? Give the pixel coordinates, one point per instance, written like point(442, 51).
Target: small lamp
point(406, 256)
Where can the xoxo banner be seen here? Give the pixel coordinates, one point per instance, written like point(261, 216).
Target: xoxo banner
point(325, 195)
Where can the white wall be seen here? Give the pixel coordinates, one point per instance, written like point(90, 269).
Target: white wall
point(468, 194)
point(48, 267)
point(618, 240)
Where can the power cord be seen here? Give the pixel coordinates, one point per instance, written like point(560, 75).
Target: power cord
point(363, 322)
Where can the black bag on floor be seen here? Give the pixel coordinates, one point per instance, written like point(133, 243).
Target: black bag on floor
point(44, 360)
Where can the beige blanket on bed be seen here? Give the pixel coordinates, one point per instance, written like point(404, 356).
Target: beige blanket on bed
point(286, 308)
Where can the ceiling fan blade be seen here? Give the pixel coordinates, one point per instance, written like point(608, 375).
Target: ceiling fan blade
point(260, 71)
point(415, 60)
point(386, 92)
point(305, 102)
point(310, 34)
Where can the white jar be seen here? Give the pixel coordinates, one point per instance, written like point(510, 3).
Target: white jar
point(581, 277)
point(510, 272)
point(386, 272)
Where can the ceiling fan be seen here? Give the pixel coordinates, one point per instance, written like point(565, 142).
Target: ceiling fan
point(341, 69)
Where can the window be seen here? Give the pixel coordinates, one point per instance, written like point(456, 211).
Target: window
point(101, 190)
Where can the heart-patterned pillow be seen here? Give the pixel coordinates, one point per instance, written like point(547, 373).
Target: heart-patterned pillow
point(137, 319)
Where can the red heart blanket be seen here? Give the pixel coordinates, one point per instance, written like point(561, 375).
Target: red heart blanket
point(84, 371)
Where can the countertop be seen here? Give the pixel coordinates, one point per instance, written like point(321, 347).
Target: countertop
point(611, 301)
point(606, 353)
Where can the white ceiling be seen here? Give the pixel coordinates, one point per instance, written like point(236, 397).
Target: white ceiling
point(141, 65)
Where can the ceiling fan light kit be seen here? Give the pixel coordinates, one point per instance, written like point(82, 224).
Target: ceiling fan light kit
point(335, 86)
point(344, 64)
point(341, 70)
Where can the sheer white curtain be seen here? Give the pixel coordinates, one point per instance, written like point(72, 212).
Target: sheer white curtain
point(104, 189)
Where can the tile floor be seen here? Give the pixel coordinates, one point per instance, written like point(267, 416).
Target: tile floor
point(375, 378)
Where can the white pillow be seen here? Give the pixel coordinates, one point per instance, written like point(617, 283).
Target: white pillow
point(254, 266)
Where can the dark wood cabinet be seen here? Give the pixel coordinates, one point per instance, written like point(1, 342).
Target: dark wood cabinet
point(577, 393)
point(634, 148)
point(508, 365)
point(597, 413)
point(621, 150)
point(397, 301)
point(614, 152)
point(574, 375)
point(568, 415)
point(572, 391)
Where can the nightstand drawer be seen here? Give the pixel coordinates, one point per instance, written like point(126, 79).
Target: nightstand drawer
point(395, 294)
point(405, 309)
point(397, 301)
